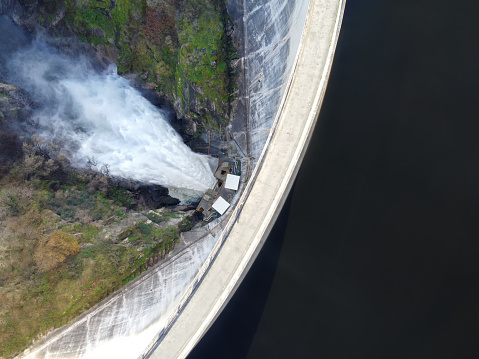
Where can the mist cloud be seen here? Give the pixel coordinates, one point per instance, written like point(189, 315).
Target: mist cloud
point(99, 115)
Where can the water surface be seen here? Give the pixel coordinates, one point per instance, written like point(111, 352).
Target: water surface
point(378, 252)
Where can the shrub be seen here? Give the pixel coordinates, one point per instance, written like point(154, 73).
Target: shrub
point(144, 229)
point(55, 250)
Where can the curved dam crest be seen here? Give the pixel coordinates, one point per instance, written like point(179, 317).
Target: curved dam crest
point(287, 49)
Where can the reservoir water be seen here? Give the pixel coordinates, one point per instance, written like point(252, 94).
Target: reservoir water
point(376, 253)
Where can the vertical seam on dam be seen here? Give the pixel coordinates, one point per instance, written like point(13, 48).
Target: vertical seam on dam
point(291, 170)
point(289, 61)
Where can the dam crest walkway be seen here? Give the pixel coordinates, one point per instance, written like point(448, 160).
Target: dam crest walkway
point(272, 179)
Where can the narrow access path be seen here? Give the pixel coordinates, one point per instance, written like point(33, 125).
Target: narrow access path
point(277, 171)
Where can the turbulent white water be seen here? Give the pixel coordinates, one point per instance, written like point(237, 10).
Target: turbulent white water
point(101, 117)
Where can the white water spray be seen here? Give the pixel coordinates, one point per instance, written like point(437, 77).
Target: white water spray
point(101, 117)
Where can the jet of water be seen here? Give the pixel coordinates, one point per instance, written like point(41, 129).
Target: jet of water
point(100, 116)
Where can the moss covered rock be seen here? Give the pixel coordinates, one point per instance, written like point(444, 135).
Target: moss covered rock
point(177, 47)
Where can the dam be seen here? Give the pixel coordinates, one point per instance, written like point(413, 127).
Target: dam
point(286, 52)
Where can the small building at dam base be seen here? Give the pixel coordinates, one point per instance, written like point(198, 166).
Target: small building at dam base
point(286, 50)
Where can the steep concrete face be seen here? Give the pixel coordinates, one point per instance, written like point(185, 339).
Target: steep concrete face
point(271, 35)
point(269, 184)
point(127, 325)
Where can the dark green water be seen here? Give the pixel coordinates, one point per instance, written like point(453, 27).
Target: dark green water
point(376, 254)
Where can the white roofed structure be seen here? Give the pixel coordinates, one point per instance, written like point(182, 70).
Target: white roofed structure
point(232, 182)
point(277, 154)
point(220, 205)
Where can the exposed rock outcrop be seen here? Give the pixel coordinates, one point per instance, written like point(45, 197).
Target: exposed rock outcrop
point(14, 109)
point(179, 48)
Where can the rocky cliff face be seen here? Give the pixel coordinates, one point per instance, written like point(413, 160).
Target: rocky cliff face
point(179, 48)
point(7, 6)
point(14, 106)
point(179, 51)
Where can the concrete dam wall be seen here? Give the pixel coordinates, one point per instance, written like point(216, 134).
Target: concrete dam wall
point(264, 195)
point(124, 324)
point(271, 33)
point(165, 311)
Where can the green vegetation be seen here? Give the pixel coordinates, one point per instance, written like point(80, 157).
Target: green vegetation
point(67, 240)
point(159, 218)
point(177, 46)
point(203, 57)
point(143, 32)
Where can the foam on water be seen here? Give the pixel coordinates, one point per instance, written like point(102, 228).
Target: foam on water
point(100, 117)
